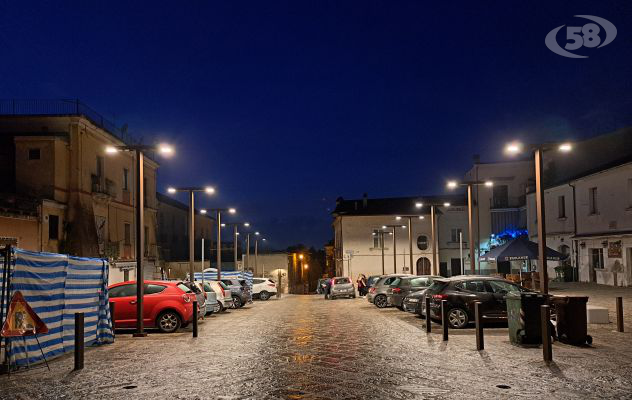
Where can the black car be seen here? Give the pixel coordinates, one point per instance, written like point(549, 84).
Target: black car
point(400, 288)
point(463, 292)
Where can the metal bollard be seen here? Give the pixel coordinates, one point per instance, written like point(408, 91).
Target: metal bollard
point(545, 321)
point(478, 315)
point(619, 314)
point(195, 318)
point(428, 323)
point(112, 306)
point(444, 319)
point(79, 341)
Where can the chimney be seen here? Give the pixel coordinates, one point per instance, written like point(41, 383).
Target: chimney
point(365, 200)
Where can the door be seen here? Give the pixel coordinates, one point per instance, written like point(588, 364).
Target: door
point(500, 289)
point(151, 299)
point(455, 267)
point(443, 269)
point(472, 291)
point(124, 299)
point(423, 266)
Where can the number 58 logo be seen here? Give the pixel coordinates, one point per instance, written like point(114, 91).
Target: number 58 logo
point(582, 36)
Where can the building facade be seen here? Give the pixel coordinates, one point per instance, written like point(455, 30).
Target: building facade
point(360, 239)
point(64, 194)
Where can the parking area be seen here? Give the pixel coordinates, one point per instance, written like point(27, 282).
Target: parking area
point(304, 347)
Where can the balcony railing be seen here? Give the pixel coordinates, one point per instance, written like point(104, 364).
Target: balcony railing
point(103, 186)
point(63, 107)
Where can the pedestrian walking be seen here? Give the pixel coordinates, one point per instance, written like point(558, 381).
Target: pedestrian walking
point(328, 288)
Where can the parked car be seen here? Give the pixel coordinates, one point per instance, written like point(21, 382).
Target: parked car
point(414, 302)
point(370, 281)
point(402, 287)
point(240, 291)
point(263, 288)
point(342, 287)
point(167, 305)
point(377, 293)
point(212, 305)
point(462, 292)
point(200, 297)
point(223, 294)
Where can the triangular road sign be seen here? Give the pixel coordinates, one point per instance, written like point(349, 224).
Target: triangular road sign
point(21, 319)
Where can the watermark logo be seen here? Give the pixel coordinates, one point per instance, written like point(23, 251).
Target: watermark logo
point(582, 36)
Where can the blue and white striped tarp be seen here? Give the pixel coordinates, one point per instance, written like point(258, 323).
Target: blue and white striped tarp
point(57, 286)
point(210, 274)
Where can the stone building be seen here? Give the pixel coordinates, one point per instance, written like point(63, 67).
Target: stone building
point(63, 193)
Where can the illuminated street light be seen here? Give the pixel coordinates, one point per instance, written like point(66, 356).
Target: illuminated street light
point(398, 218)
point(171, 190)
point(232, 211)
point(203, 211)
point(140, 221)
point(538, 151)
point(209, 189)
point(165, 149)
point(513, 148)
point(489, 183)
point(446, 204)
point(306, 266)
point(452, 184)
point(218, 219)
point(419, 205)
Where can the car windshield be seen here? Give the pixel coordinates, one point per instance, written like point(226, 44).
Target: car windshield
point(342, 281)
point(207, 287)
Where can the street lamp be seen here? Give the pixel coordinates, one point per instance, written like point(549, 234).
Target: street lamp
point(538, 150)
point(394, 228)
point(235, 234)
point(191, 191)
point(433, 231)
point(138, 150)
point(470, 185)
point(218, 217)
point(256, 252)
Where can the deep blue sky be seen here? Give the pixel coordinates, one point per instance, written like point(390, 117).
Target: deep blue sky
point(286, 105)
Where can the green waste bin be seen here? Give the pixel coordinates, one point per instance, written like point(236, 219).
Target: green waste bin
point(571, 321)
point(523, 317)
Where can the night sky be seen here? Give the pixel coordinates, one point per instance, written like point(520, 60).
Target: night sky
point(286, 105)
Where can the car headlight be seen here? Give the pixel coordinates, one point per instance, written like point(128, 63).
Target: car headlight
point(413, 300)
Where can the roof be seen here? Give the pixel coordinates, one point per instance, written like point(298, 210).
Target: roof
point(602, 234)
point(395, 205)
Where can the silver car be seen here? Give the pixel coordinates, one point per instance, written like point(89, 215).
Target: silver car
point(379, 291)
point(341, 287)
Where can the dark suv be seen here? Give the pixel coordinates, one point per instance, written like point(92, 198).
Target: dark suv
point(400, 288)
point(462, 292)
point(239, 290)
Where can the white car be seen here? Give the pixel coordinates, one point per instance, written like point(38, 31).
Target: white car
point(263, 288)
point(212, 305)
point(222, 293)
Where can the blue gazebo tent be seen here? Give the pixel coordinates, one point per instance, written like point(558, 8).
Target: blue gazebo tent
point(520, 249)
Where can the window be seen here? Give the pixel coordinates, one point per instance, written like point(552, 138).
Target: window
point(184, 288)
point(99, 166)
point(596, 258)
point(472, 286)
point(125, 174)
point(561, 207)
point(207, 287)
point(126, 275)
point(123, 291)
point(53, 227)
point(34, 154)
point(503, 287)
point(455, 235)
point(153, 289)
point(377, 239)
point(422, 242)
point(341, 281)
point(500, 196)
point(128, 235)
point(592, 201)
point(419, 282)
point(257, 281)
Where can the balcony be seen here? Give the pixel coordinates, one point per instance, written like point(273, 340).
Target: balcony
point(102, 188)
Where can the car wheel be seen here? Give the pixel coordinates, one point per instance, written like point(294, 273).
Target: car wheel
point(236, 302)
point(380, 301)
point(400, 308)
point(217, 308)
point(168, 321)
point(264, 295)
point(458, 318)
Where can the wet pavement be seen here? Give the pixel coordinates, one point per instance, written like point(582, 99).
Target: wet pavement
point(303, 347)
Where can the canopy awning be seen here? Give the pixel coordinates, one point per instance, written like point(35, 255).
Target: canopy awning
point(520, 249)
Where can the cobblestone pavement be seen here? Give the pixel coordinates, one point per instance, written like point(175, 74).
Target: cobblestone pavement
point(303, 347)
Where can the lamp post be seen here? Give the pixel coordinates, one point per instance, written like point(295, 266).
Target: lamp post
point(140, 220)
point(218, 217)
point(433, 231)
point(191, 191)
point(235, 235)
point(394, 232)
point(256, 252)
point(410, 234)
point(380, 234)
point(538, 150)
point(470, 184)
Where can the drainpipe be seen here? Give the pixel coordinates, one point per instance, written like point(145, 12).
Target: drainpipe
point(575, 242)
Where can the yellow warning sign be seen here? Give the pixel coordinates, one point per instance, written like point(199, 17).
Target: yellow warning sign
point(21, 319)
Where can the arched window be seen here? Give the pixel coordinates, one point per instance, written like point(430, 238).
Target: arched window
point(423, 266)
point(422, 242)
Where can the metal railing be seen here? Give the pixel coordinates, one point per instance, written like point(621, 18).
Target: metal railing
point(62, 107)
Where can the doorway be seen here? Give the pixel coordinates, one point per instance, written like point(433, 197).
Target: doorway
point(455, 267)
point(443, 269)
point(423, 266)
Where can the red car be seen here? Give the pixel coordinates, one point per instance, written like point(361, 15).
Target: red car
point(167, 305)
